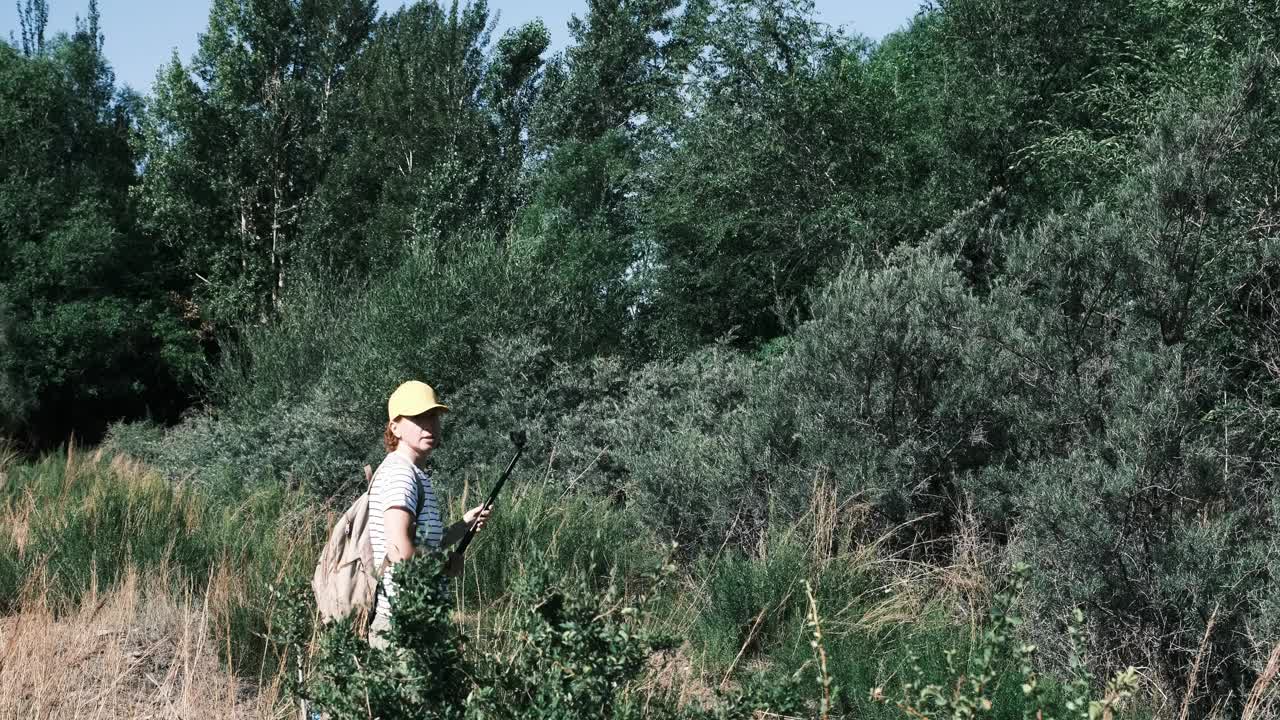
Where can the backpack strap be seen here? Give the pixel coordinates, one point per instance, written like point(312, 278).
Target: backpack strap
point(417, 506)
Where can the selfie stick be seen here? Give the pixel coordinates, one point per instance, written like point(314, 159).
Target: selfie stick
point(518, 439)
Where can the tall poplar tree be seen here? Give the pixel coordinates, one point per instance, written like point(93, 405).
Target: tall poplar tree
point(759, 194)
point(430, 138)
point(234, 146)
point(591, 132)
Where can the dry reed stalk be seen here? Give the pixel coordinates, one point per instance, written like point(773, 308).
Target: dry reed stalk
point(823, 517)
point(897, 610)
point(824, 505)
point(1194, 678)
point(9, 456)
point(965, 576)
point(751, 634)
point(18, 520)
point(568, 488)
point(1261, 688)
point(699, 593)
point(820, 650)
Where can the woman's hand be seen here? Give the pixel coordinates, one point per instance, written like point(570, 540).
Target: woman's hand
point(478, 515)
point(454, 532)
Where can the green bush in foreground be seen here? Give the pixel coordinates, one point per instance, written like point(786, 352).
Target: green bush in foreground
point(974, 690)
point(574, 652)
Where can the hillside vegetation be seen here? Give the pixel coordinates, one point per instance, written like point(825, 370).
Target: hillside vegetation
point(973, 324)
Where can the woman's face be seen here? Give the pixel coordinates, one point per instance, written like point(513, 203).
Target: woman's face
point(419, 433)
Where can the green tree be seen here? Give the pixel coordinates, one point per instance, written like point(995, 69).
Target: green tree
point(88, 334)
point(429, 138)
point(33, 19)
point(589, 134)
point(234, 146)
point(758, 196)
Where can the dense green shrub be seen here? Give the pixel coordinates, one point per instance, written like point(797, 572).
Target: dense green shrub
point(422, 674)
point(568, 410)
point(1141, 524)
point(310, 443)
point(890, 389)
point(567, 652)
point(573, 652)
point(304, 400)
point(667, 439)
point(696, 443)
point(1138, 491)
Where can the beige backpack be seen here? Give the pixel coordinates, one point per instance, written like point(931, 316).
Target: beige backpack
point(345, 580)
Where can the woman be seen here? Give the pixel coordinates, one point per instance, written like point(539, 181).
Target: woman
point(403, 512)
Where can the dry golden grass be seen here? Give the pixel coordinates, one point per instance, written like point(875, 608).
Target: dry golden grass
point(1262, 695)
point(132, 653)
point(136, 645)
point(909, 589)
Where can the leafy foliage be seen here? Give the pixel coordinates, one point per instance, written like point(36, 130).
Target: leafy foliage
point(758, 200)
point(974, 691)
point(572, 654)
point(88, 332)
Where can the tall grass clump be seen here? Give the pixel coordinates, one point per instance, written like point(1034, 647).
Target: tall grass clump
point(883, 614)
point(577, 535)
point(78, 523)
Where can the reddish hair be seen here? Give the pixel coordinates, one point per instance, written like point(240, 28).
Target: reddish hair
point(389, 439)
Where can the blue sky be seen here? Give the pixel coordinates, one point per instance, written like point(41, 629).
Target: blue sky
point(141, 34)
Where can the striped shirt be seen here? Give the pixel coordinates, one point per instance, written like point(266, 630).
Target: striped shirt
point(397, 483)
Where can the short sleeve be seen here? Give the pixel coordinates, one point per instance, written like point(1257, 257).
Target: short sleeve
point(394, 487)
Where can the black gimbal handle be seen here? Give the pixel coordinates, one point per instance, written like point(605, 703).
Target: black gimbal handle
point(517, 439)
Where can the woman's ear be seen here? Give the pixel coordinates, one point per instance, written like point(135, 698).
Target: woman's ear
point(394, 428)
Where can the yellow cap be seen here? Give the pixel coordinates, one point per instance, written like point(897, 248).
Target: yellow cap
point(412, 398)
